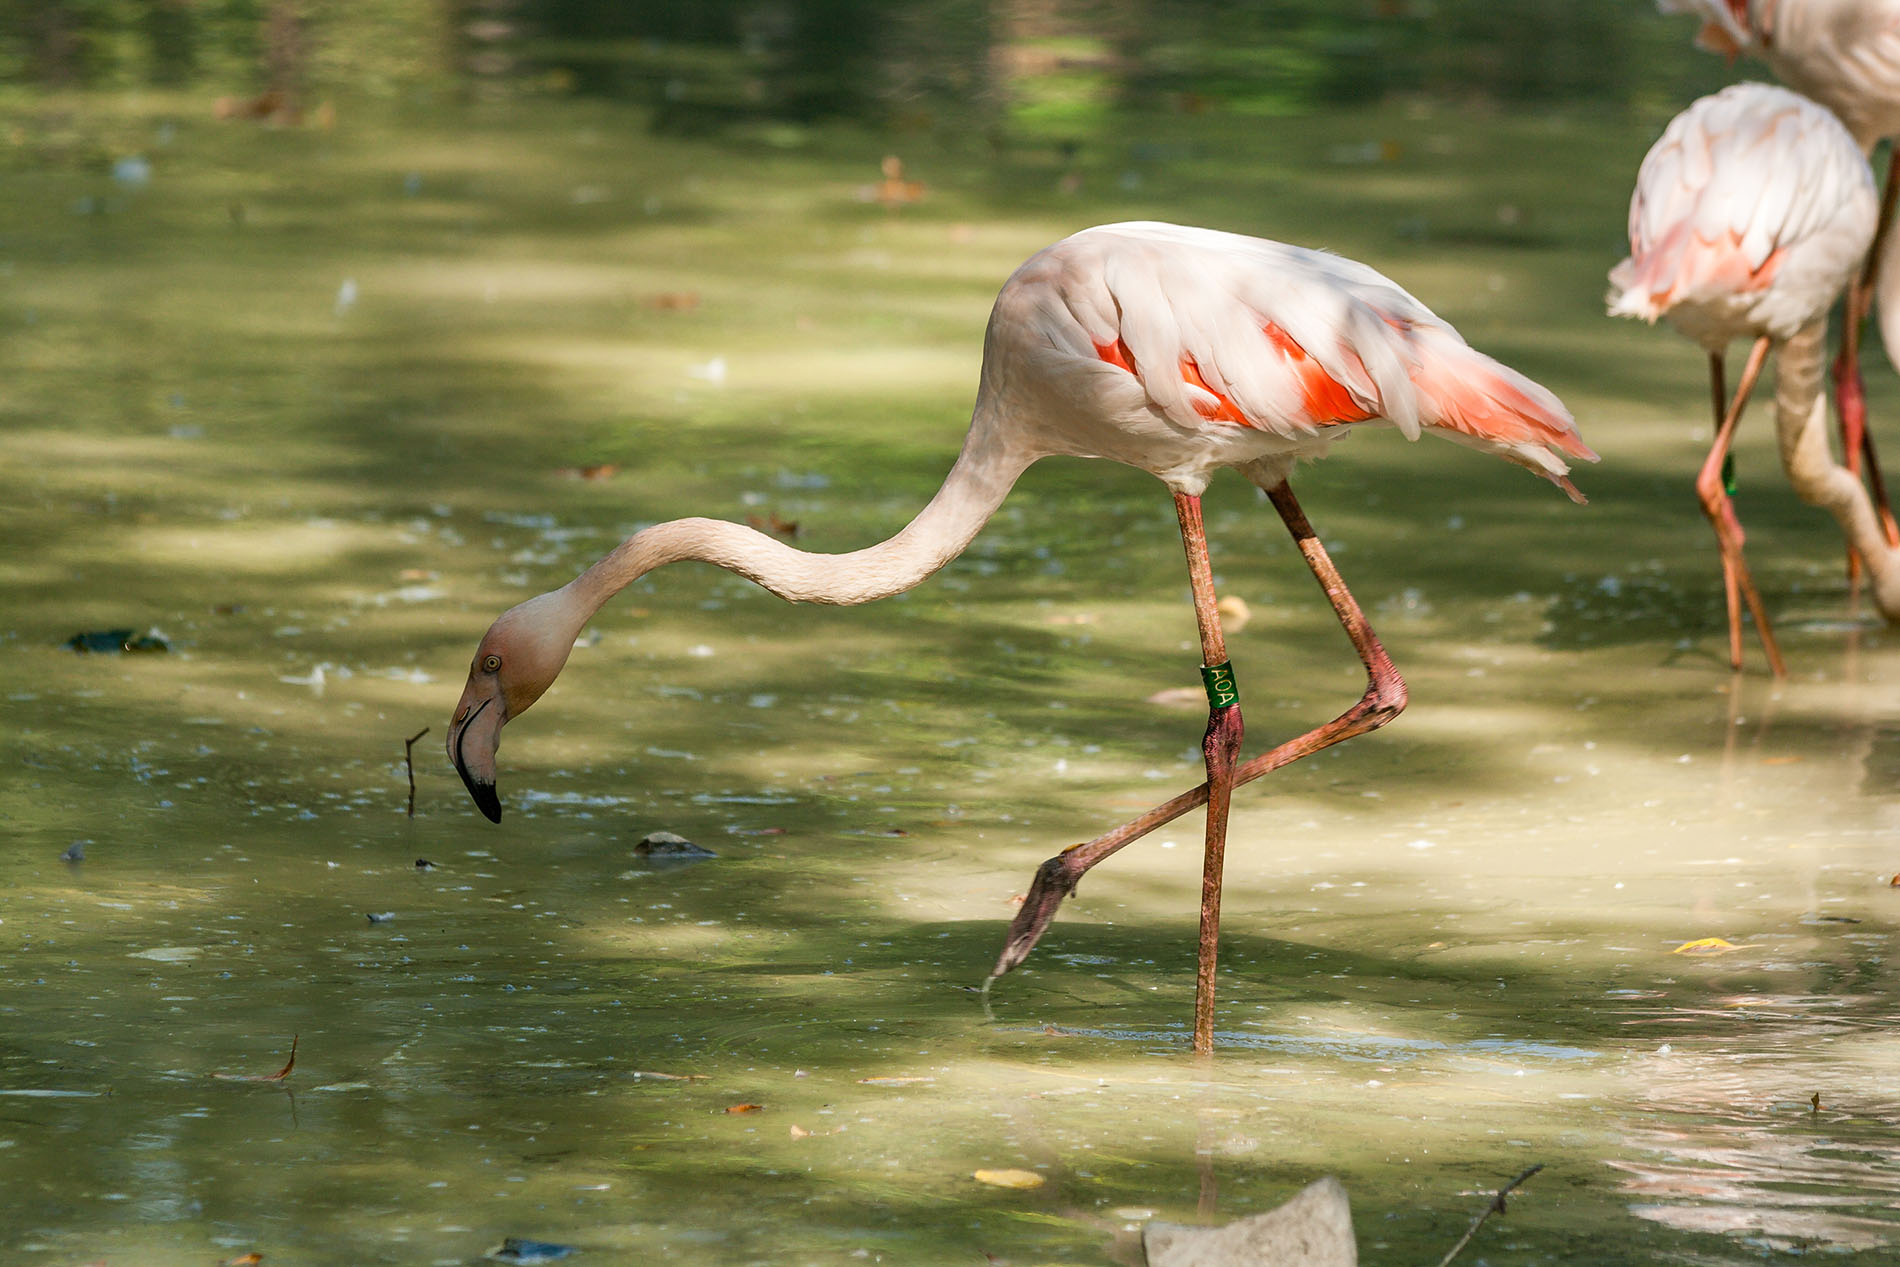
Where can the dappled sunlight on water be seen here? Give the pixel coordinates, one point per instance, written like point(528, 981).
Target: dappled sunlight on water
point(1593, 902)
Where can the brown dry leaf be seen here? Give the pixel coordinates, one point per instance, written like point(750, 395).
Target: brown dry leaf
point(1023, 1179)
point(1705, 946)
point(243, 1260)
point(1780, 760)
point(279, 1076)
point(1895, 882)
point(675, 300)
point(745, 1108)
point(592, 471)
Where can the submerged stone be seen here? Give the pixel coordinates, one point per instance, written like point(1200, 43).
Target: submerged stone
point(1314, 1229)
point(107, 641)
point(664, 846)
point(515, 1249)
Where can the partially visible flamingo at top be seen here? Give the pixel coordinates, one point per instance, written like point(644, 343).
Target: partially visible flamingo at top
point(1844, 54)
point(1180, 351)
point(1749, 216)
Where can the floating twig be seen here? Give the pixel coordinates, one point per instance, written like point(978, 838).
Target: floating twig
point(1496, 1206)
point(409, 760)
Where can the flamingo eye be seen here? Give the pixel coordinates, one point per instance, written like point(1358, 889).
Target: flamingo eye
point(491, 663)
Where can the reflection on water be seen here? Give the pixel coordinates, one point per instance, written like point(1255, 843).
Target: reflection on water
point(1757, 1140)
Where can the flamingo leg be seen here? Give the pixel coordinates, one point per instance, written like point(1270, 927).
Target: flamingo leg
point(1384, 697)
point(1721, 512)
point(1850, 392)
point(1220, 747)
point(1730, 587)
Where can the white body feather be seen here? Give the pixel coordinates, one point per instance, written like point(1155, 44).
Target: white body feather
point(1750, 215)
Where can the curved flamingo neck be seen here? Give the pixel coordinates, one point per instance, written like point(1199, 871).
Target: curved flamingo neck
point(984, 473)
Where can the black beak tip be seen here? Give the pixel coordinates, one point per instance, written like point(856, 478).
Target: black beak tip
point(482, 793)
point(486, 800)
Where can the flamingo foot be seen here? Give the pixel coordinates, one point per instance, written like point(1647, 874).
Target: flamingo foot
point(1055, 880)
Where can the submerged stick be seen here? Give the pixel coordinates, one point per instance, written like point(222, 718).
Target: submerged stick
point(409, 760)
point(1495, 1207)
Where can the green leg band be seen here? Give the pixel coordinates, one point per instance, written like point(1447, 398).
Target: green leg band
point(1222, 690)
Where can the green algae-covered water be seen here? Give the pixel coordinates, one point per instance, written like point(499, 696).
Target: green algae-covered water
point(315, 406)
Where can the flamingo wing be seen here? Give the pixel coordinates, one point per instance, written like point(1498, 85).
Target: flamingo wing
point(1223, 329)
point(1739, 183)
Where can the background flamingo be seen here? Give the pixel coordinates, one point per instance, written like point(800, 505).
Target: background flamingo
point(1749, 216)
point(1176, 350)
point(1846, 55)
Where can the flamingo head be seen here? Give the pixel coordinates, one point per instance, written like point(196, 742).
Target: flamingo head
point(518, 659)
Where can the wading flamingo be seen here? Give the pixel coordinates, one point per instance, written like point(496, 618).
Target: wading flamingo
point(1749, 216)
point(1846, 55)
point(1175, 350)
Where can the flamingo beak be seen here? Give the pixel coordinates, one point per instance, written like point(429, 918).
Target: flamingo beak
point(473, 738)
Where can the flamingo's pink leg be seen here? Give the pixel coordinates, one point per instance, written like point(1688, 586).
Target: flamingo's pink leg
point(1383, 699)
point(1220, 747)
point(1721, 512)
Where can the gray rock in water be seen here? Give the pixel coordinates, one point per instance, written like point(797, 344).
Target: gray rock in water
point(1314, 1229)
point(664, 846)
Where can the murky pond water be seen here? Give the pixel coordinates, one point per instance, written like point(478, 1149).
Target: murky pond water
point(1452, 949)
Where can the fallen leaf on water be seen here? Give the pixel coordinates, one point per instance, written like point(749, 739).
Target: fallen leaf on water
point(799, 1132)
point(1009, 1178)
point(893, 1082)
point(1705, 946)
point(1780, 760)
point(243, 1260)
point(1895, 882)
point(745, 1108)
point(594, 471)
point(675, 300)
point(1816, 1101)
point(1234, 613)
point(168, 954)
point(279, 1076)
point(669, 1077)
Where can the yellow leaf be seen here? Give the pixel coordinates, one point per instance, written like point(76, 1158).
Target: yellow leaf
point(799, 1132)
point(1009, 1178)
point(1705, 946)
